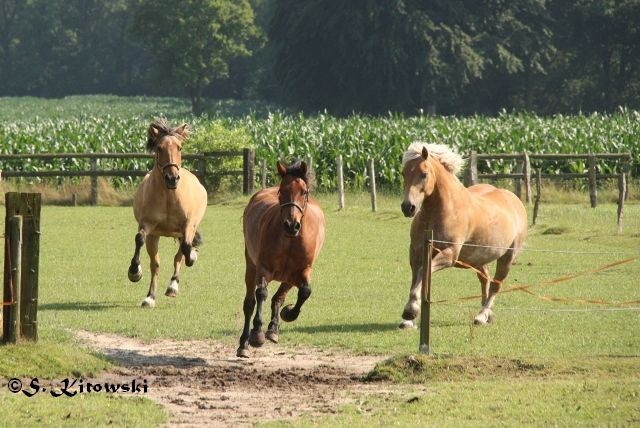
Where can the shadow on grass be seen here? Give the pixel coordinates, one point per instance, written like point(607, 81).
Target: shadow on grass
point(131, 358)
point(362, 328)
point(78, 306)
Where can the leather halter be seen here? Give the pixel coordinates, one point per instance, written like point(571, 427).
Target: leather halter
point(166, 165)
point(295, 204)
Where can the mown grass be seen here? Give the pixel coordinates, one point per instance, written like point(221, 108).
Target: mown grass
point(360, 282)
point(81, 410)
point(360, 285)
point(55, 357)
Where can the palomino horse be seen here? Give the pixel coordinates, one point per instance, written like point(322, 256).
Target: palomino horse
point(171, 202)
point(283, 234)
point(471, 226)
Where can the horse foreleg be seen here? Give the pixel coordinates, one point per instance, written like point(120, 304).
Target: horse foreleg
point(174, 283)
point(135, 271)
point(485, 279)
point(439, 261)
point(154, 265)
point(189, 245)
point(290, 312)
point(502, 269)
point(277, 300)
point(247, 307)
point(256, 337)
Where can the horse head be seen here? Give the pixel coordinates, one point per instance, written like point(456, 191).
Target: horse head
point(293, 196)
point(166, 143)
point(419, 181)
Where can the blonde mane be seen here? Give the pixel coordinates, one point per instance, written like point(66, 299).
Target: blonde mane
point(450, 160)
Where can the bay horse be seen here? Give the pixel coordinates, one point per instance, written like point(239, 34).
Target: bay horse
point(284, 232)
point(169, 202)
point(472, 226)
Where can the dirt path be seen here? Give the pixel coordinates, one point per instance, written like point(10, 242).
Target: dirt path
point(202, 383)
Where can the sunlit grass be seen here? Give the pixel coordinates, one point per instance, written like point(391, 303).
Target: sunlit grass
point(360, 285)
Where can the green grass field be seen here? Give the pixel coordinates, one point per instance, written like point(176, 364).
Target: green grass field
point(589, 354)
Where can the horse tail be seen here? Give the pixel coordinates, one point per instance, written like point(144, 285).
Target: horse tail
point(197, 239)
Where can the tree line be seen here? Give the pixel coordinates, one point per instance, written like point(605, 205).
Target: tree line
point(358, 56)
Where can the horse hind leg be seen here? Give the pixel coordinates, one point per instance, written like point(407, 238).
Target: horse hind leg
point(174, 283)
point(154, 264)
point(135, 271)
point(273, 331)
point(256, 337)
point(503, 266)
point(291, 312)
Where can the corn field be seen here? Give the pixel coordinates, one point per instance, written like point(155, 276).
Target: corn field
point(118, 125)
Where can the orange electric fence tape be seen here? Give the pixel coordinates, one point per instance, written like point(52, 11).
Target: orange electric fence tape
point(548, 283)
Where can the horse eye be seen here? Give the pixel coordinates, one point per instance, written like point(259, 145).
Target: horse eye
point(179, 148)
point(424, 175)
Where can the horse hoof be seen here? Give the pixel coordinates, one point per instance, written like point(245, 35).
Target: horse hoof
point(256, 338)
point(288, 314)
point(136, 275)
point(148, 303)
point(272, 336)
point(480, 320)
point(491, 318)
point(171, 292)
point(242, 353)
point(407, 325)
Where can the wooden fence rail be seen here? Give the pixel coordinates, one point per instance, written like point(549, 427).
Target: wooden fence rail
point(523, 169)
point(200, 166)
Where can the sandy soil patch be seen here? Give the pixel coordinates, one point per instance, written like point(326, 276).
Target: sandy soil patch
point(202, 383)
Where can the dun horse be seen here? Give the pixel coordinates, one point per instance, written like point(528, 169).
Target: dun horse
point(474, 225)
point(170, 202)
point(283, 234)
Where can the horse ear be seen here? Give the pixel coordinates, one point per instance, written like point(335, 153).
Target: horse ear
point(303, 167)
point(152, 136)
point(282, 169)
point(182, 130)
point(425, 153)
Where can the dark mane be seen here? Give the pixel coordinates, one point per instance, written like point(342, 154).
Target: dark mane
point(164, 129)
point(295, 169)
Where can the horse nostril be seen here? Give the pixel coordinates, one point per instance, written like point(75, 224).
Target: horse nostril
point(408, 209)
point(296, 226)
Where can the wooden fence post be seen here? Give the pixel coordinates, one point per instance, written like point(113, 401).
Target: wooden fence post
point(471, 177)
point(593, 189)
point(13, 326)
point(263, 173)
point(626, 168)
point(340, 182)
point(527, 177)
point(425, 295)
point(248, 159)
point(372, 185)
point(517, 182)
point(538, 191)
point(27, 206)
point(202, 169)
point(309, 162)
point(94, 181)
point(622, 189)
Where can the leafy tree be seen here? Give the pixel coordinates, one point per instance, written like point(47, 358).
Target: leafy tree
point(60, 47)
point(192, 41)
point(372, 56)
point(515, 39)
point(598, 65)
